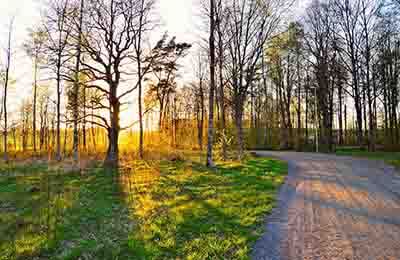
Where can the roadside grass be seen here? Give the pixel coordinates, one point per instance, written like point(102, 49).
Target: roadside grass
point(147, 210)
point(392, 158)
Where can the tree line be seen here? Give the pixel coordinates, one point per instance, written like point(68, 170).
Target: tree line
point(261, 79)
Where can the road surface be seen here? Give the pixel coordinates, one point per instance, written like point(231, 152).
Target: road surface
point(333, 208)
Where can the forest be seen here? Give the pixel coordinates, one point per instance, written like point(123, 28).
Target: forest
point(327, 79)
point(119, 106)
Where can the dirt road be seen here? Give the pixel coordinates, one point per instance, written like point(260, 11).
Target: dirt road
point(333, 208)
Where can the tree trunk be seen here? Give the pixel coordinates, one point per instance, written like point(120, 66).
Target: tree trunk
point(140, 78)
point(6, 83)
point(340, 115)
point(200, 116)
point(299, 142)
point(112, 157)
point(76, 87)
point(140, 106)
point(210, 141)
point(34, 103)
point(239, 128)
point(58, 105)
point(65, 140)
point(221, 88)
point(345, 123)
point(84, 132)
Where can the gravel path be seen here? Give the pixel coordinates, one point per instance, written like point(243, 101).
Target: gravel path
point(333, 208)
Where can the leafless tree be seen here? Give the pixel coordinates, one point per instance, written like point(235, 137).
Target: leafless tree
point(210, 139)
point(6, 81)
point(251, 24)
point(347, 13)
point(59, 32)
point(112, 33)
point(199, 90)
point(77, 83)
point(34, 48)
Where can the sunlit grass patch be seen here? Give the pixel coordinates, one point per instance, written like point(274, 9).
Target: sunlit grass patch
point(146, 210)
point(207, 214)
point(31, 203)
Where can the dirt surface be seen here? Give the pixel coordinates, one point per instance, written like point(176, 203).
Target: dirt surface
point(333, 208)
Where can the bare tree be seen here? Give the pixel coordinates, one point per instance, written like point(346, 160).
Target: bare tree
point(220, 27)
point(6, 82)
point(251, 24)
point(112, 32)
point(210, 140)
point(319, 45)
point(34, 48)
point(369, 23)
point(59, 34)
point(77, 83)
point(347, 14)
point(145, 24)
point(199, 89)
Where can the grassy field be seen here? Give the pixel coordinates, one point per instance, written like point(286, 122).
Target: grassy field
point(389, 157)
point(161, 210)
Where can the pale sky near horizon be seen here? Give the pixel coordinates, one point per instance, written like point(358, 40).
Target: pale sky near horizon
point(179, 17)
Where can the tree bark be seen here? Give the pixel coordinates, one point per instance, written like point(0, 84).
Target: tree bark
point(6, 85)
point(112, 157)
point(77, 87)
point(221, 83)
point(210, 141)
point(140, 86)
point(34, 102)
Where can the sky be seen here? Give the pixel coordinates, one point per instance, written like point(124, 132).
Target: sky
point(179, 18)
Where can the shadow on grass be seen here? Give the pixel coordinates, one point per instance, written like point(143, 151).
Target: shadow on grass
point(209, 214)
point(156, 210)
point(32, 201)
point(65, 216)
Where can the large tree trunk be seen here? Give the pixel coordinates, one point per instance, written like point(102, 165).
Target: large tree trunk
point(112, 157)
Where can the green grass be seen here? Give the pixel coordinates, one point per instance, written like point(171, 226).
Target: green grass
point(389, 157)
point(166, 210)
